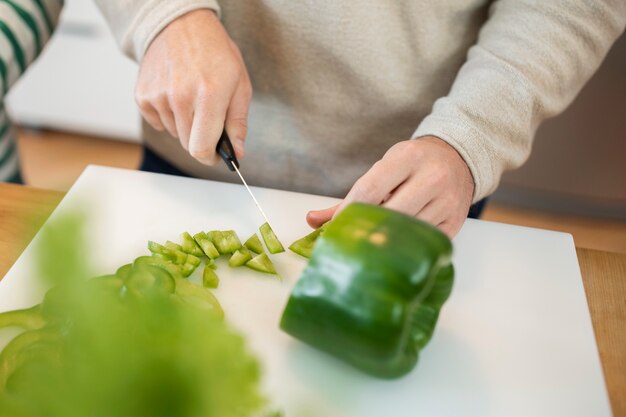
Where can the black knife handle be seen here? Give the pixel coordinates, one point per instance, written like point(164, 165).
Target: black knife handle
point(226, 151)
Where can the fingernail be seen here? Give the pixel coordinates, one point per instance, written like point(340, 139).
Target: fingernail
point(239, 148)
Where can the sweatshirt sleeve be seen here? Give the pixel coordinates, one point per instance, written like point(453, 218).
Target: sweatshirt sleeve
point(531, 59)
point(135, 23)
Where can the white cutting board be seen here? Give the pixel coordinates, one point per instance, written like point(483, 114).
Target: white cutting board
point(514, 339)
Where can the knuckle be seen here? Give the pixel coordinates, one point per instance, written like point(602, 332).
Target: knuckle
point(178, 98)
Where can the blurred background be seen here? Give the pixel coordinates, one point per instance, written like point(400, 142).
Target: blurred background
point(84, 113)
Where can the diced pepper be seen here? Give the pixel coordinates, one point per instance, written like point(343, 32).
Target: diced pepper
point(262, 263)
point(173, 269)
point(174, 246)
point(198, 296)
point(271, 241)
point(187, 269)
point(123, 271)
point(372, 291)
point(226, 241)
point(209, 277)
point(28, 318)
point(240, 257)
point(147, 279)
point(202, 239)
point(254, 244)
point(190, 246)
point(304, 246)
point(211, 263)
point(176, 256)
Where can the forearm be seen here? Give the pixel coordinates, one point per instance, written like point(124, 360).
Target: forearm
point(135, 23)
point(530, 61)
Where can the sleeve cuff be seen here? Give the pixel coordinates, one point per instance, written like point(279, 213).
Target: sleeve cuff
point(468, 142)
point(153, 17)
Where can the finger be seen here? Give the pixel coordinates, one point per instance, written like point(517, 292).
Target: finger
point(206, 129)
point(435, 212)
point(150, 115)
point(410, 197)
point(236, 123)
point(373, 187)
point(317, 218)
point(450, 227)
point(166, 116)
point(182, 109)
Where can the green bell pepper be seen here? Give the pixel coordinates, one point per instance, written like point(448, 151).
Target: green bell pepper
point(254, 244)
point(209, 277)
point(226, 241)
point(304, 247)
point(240, 257)
point(372, 291)
point(209, 249)
point(270, 239)
point(189, 245)
point(262, 263)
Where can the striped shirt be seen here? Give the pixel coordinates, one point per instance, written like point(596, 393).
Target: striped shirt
point(25, 27)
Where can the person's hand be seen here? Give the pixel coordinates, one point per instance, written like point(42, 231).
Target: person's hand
point(425, 178)
point(193, 82)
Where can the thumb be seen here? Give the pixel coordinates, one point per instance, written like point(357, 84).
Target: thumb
point(316, 218)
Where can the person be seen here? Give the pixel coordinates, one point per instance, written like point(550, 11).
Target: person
point(418, 105)
point(25, 27)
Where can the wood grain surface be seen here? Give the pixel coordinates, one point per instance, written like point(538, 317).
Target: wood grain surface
point(604, 277)
point(24, 209)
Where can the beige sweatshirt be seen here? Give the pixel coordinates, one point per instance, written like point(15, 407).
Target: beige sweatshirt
point(336, 83)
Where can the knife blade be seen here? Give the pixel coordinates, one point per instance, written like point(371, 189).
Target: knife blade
point(227, 152)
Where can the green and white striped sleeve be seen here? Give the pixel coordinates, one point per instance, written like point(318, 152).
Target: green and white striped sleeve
point(25, 27)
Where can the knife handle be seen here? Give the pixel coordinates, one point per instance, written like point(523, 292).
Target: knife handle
point(226, 151)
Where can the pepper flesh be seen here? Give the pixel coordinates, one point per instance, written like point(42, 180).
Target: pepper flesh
point(262, 263)
point(304, 247)
point(254, 244)
point(209, 249)
point(372, 291)
point(226, 241)
point(270, 239)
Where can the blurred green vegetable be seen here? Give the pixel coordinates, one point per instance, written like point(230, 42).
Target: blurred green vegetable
point(142, 342)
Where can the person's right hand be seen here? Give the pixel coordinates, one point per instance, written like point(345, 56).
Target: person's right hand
point(193, 83)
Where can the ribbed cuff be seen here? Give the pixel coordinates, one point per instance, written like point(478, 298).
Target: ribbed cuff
point(468, 142)
point(153, 17)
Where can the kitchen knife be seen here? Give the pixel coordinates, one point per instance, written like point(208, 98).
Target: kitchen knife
point(227, 152)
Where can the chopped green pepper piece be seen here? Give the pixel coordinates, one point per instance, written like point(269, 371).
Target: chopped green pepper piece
point(372, 291)
point(271, 241)
point(262, 263)
point(202, 239)
point(190, 246)
point(173, 269)
point(254, 244)
point(123, 271)
point(176, 256)
point(28, 318)
point(304, 246)
point(187, 269)
point(240, 257)
point(210, 263)
point(149, 279)
point(209, 278)
point(226, 241)
point(198, 296)
point(174, 246)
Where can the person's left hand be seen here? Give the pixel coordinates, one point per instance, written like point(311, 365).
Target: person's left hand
point(425, 178)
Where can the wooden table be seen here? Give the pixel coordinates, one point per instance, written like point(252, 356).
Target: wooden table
point(23, 210)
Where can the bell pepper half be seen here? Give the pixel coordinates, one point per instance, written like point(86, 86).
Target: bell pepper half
point(372, 290)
